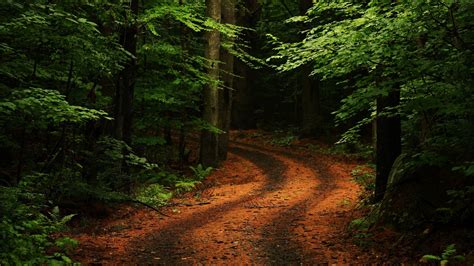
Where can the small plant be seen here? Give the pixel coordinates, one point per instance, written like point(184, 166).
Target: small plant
point(363, 239)
point(185, 185)
point(362, 224)
point(364, 177)
point(284, 141)
point(461, 204)
point(449, 254)
point(200, 172)
point(25, 229)
point(360, 228)
point(154, 194)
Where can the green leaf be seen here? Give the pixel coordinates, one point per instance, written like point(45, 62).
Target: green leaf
point(428, 258)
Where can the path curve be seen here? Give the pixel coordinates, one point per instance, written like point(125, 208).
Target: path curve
point(268, 206)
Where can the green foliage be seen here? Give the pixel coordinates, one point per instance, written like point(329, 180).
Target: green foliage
point(25, 228)
point(284, 141)
point(173, 69)
point(407, 44)
point(355, 150)
point(163, 185)
point(40, 108)
point(45, 42)
point(422, 49)
point(460, 206)
point(154, 194)
point(283, 138)
point(361, 224)
point(448, 255)
point(467, 168)
point(61, 66)
point(200, 172)
point(360, 227)
point(185, 185)
point(364, 177)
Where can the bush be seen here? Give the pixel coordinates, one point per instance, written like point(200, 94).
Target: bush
point(26, 226)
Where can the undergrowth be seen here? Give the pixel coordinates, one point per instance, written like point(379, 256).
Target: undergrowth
point(448, 255)
point(364, 176)
point(160, 189)
point(27, 221)
point(29, 216)
point(284, 141)
point(360, 228)
point(351, 150)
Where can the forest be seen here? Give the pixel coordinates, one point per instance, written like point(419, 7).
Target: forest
point(236, 132)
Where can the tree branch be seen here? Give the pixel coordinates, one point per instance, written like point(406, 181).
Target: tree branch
point(149, 206)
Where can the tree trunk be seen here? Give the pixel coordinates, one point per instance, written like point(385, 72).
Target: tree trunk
point(243, 98)
point(209, 155)
point(182, 148)
point(388, 141)
point(182, 158)
point(226, 95)
point(126, 80)
point(310, 100)
point(304, 6)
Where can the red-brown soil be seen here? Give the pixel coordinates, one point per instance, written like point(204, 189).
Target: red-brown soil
point(265, 205)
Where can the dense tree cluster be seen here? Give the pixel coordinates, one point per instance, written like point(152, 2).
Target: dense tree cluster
point(99, 99)
point(91, 94)
point(408, 68)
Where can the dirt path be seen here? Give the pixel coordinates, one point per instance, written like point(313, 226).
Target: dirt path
point(267, 205)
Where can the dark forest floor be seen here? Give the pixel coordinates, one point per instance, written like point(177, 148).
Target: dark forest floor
point(265, 205)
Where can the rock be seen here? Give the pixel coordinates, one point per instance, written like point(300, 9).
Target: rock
point(413, 195)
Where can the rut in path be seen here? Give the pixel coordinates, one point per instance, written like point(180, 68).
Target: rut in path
point(268, 206)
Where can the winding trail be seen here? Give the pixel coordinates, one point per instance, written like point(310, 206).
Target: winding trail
point(267, 206)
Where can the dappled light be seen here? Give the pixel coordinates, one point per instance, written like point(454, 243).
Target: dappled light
point(236, 132)
point(283, 214)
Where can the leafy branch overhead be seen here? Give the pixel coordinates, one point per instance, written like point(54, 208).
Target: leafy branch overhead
point(138, 102)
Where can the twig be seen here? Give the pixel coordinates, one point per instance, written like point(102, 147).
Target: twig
point(189, 204)
point(150, 206)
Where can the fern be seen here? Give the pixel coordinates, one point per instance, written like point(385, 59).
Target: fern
point(448, 254)
point(200, 172)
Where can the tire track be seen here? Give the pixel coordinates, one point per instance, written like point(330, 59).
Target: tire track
point(273, 209)
point(174, 239)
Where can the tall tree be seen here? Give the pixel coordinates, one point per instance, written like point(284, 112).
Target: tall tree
point(209, 150)
point(388, 135)
point(310, 101)
point(247, 15)
point(388, 140)
point(227, 77)
point(127, 77)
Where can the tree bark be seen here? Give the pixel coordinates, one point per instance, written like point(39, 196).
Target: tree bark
point(243, 97)
point(209, 154)
point(310, 96)
point(310, 102)
point(243, 100)
point(182, 158)
point(126, 80)
point(304, 6)
point(227, 77)
point(388, 137)
point(388, 141)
